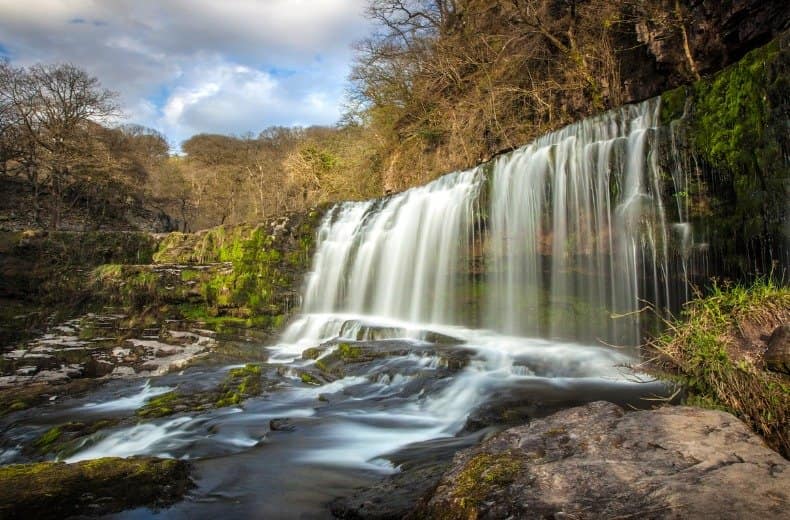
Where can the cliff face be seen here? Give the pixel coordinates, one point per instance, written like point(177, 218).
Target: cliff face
point(732, 127)
point(693, 38)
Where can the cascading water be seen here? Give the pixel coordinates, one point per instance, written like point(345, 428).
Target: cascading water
point(579, 237)
point(398, 257)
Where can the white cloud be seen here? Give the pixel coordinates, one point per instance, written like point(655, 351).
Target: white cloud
point(187, 66)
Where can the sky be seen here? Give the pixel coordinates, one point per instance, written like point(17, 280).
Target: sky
point(184, 67)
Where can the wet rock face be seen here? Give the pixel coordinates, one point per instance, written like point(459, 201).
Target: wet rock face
point(383, 360)
point(597, 461)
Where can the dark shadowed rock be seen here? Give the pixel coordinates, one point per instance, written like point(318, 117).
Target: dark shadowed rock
point(282, 424)
point(421, 466)
point(777, 356)
point(597, 461)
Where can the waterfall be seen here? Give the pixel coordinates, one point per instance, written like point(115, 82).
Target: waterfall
point(399, 257)
point(577, 238)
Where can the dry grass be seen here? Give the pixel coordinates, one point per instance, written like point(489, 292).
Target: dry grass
point(716, 353)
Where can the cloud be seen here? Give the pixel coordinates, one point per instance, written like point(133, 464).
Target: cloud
point(188, 66)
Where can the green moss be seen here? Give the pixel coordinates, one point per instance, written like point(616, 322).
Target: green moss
point(188, 275)
point(348, 352)
point(65, 439)
point(107, 272)
point(732, 112)
point(312, 353)
point(240, 384)
point(18, 405)
point(100, 486)
point(673, 105)
point(737, 128)
point(159, 406)
point(480, 476)
point(51, 436)
point(309, 379)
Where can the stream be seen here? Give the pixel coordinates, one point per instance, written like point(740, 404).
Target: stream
point(416, 401)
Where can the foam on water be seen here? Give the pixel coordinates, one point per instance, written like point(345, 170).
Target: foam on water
point(130, 402)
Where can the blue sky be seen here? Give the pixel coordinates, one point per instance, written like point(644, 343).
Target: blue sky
point(190, 66)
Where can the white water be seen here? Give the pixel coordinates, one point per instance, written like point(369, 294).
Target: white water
point(130, 402)
point(397, 257)
point(577, 239)
point(579, 235)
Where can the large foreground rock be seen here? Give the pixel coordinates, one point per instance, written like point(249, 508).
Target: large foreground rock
point(597, 461)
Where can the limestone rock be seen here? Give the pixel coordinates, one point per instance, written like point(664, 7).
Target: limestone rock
point(597, 461)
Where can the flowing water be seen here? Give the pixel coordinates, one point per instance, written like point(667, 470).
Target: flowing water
point(580, 238)
point(488, 292)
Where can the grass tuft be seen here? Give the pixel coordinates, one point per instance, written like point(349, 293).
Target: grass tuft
point(715, 352)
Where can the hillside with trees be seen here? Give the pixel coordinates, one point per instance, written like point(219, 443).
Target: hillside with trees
point(440, 85)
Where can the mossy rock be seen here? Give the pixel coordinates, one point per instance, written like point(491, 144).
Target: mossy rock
point(735, 127)
point(482, 475)
point(93, 487)
point(159, 406)
point(65, 439)
point(240, 384)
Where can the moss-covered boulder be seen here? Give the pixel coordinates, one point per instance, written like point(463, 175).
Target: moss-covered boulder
point(232, 276)
point(93, 487)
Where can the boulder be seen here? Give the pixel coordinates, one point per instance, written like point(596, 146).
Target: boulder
point(597, 461)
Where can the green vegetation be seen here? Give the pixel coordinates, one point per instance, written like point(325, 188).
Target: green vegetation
point(100, 486)
point(228, 277)
point(481, 475)
point(737, 128)
point(348, 352)
point(673, 104)
point(48, 438)
point(711, 354)
point(240, 384)
point(64, 439)
point(159, 406)
point(310, 379)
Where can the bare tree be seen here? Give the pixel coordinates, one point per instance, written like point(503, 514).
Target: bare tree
point(54, 112)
